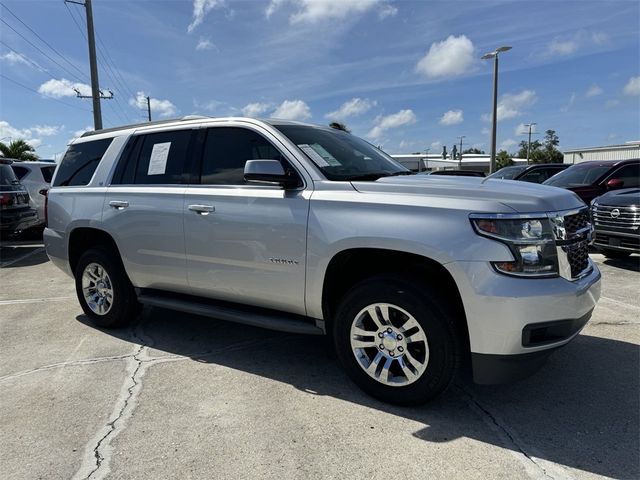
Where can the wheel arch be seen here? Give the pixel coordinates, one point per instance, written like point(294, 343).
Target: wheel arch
point(83, 238)
point(350, 266)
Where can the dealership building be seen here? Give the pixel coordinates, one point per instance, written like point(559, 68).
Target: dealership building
point(624, 151)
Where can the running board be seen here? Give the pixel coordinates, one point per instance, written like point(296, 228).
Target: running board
point(269, 319)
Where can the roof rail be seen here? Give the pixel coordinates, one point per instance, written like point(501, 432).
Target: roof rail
point(145, 124)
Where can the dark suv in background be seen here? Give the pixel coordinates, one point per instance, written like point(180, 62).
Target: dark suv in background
point(616, 217)
point(537, 173)
point(594, 178)
point(16, 214)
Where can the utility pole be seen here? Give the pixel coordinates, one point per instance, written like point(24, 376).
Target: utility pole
point(93, 64)
point(529, 125)
point(149, 108)
point(460, 154)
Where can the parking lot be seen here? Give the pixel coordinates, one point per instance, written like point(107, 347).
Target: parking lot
point(178, 396)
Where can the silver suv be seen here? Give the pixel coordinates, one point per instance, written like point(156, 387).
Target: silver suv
point(308, 229)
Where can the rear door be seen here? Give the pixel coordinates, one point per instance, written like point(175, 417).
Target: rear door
point(143, 208)
point(245, 243)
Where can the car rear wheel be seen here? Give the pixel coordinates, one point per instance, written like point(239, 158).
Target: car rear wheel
point(103, 288)
point(397, 342)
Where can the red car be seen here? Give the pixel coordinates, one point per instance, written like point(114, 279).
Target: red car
point(591, 179)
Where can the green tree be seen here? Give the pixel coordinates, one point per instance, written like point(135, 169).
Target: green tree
point(551, 141)
point(18, 150)
point(339, 126)
point(503, 159)
point(522, 152)
point(473, 151)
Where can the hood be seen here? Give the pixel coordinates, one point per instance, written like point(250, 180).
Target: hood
point(521, 197)
point(621, 198)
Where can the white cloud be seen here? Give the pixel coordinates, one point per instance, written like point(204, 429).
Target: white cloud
point(600, 38)
point(451, 117)
point(563, 47)
point(31, 135)
point(436, 144)
point(522, 129)
point(453, 56)
point(292, 110)
point(205, 44)
point(351, 108)
point(200, 10)
point(387, 11)
point(79, 133)
point(633, 86)
point(507, 144)
point(485, 130)
point(255, 109)
point(572, 100)
point(612, 103)
point(567, 45)
point(63, 88)
point(315, 11)
point(395, 120)
point(510, 105)
point(164, 108)
point(594, 90)
point(13, 58)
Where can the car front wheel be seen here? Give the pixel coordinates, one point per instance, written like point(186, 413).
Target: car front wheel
point(397, 342)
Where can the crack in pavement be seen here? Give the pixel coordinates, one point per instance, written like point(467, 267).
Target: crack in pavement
point(516, 445)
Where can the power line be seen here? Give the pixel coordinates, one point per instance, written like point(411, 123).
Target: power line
point(41, 95)
point(31, 62)
point(42, 39)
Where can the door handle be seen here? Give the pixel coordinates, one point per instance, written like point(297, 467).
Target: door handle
point(118, 204)
point(202, 209)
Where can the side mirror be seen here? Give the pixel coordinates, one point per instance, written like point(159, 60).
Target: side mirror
point(615, 183)
point(268, 172)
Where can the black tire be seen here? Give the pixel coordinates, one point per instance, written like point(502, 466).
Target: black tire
point(125, 306)
point(610, 253)
point(435, 319)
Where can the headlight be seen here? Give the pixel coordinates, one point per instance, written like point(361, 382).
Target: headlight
point(530, 240)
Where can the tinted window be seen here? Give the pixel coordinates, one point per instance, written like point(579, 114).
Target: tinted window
point(20, 172)
point(508, 173)
point(578, 175)
point(80, 162)
point(162, 157)
point(629, 174)
point(7, 176)
point(539, 175)
point(47, 173)
point(226, 151)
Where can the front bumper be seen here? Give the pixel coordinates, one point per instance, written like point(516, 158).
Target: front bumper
point(511, 317)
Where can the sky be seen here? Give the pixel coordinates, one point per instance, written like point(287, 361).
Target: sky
point(406, 75)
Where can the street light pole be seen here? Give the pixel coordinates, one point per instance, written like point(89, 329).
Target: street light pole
point(460, 152)
point(494, 115)
point(529, 125)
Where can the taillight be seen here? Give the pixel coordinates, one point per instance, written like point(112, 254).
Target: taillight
point(45, 192)
point(4, 199)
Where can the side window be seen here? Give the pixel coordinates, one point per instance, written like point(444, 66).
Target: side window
point(629, 174)
point(47, 173)
point(537, 175)
point(162, 157)
point(20, 172)
point(226, 151)
point(80, 162)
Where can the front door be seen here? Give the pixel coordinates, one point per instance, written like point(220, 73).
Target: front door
point(244, 243)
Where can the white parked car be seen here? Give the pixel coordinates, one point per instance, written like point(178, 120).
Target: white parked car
point(35, 176)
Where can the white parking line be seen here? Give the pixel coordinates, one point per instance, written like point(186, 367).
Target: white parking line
point(35, 300)
point(21, 257)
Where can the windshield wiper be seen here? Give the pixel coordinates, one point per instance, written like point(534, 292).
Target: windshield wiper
point(377, 175)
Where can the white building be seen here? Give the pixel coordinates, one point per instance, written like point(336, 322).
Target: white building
point(624, 151)
point(433, 161)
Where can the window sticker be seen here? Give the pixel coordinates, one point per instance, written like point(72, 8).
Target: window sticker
point(330, 159)
point(158, 161)
point(313, 155)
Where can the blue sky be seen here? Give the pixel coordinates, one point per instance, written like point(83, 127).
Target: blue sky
point(403, 74)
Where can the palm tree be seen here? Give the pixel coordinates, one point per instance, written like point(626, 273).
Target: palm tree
point(18, 150)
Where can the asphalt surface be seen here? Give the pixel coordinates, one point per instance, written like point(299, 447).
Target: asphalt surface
point(178, 396)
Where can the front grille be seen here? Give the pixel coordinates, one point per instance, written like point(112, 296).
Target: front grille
point(630, 242)
point(613, 217)
point(578, 257)
point(576, 222)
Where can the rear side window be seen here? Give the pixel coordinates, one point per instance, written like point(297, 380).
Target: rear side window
point(20, 172)
point(47, 173)
point(226, 151)
point(629, 174)
point(80, 163)
point(7, 176)
point(162, 157)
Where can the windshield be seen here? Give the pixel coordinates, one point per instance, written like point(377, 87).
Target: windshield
point(342, 156)
point(508, 173)
point(577, 176)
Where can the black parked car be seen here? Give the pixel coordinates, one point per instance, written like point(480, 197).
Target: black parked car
point(16, 214)
point(536, 173)
point(594, 178)
point(616, 218)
